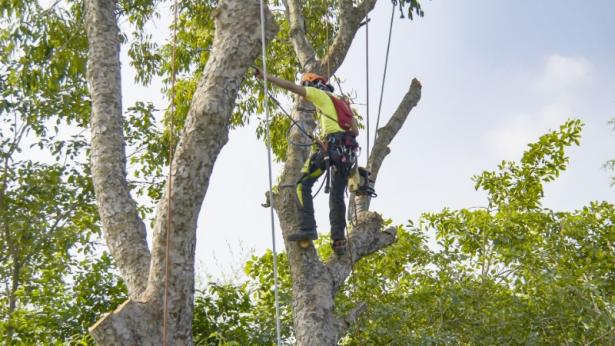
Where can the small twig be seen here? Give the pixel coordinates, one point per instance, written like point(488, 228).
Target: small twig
point(600, 337)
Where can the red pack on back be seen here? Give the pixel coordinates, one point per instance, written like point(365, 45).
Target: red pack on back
point(344, 113)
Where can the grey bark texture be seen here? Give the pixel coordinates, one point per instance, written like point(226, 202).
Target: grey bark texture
point(125, 231)
point(315, 282)
point(236, 44)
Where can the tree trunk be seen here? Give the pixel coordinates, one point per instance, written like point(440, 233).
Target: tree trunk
point(139, 321)
point(315, 283)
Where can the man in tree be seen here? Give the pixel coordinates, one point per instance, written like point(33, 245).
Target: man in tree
point(336, 153)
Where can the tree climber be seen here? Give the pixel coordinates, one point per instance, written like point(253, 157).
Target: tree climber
point(337, 150)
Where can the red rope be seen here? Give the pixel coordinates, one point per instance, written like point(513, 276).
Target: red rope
point(170, 185)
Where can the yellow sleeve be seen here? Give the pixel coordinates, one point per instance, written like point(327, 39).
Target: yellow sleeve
point(326, 110)
point(321, 100)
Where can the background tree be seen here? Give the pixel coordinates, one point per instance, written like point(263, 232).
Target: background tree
point(235, 46)
point(55, 279)
point(511, 272)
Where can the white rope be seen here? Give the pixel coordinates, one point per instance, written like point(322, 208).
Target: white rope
point(271, 199)
point(384, 74)
point(367, 79)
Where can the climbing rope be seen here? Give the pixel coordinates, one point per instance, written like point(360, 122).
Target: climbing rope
point(367, 80)
point(386, 61)
point(165, 314)
point(271, 206)
point(293, 121)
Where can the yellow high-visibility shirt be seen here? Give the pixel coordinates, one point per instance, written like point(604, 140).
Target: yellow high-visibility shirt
point(326, 110)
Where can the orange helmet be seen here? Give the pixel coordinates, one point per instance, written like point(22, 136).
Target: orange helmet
point(317, 81)
point(313, 77)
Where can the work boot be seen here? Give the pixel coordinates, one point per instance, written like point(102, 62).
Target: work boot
point(303, 234)
point(339, 247)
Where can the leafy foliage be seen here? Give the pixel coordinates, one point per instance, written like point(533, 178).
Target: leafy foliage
point(510, 273)
point(513, 272)
point(55, 280)
point(411, 7)
point(244, 314)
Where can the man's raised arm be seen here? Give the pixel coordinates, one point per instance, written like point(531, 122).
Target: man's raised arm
point(283, 83)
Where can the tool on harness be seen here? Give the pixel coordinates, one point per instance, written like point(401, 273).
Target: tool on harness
point(327, 174)
point(341, 152)
point(360, 182)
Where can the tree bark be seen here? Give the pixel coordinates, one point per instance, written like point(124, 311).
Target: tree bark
point(236, 44)
point(315, 282)
point(124, 229)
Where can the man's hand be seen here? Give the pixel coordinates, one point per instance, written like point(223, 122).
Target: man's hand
point(323, 145)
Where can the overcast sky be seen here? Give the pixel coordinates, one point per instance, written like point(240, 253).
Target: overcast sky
point(496, 75)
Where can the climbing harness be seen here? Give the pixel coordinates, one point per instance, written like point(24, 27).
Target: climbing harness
point(341, 154)
point(268, 139)
point(313, 140)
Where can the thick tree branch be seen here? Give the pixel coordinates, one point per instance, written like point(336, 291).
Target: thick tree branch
point(285, 201)
point(123, 228)
point(117, 328)
point(349, 22)
point(303, 48)
point(236, 44)
point(385, 136)
point(387, 133)
point(352, 316)
point(366, 238)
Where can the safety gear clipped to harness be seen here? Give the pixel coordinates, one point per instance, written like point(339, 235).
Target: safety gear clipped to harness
point(360, 183)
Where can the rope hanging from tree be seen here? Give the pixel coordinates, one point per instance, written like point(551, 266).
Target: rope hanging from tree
point(271, 206)
point(386, 62)
point(165, 314)
point(367, 80)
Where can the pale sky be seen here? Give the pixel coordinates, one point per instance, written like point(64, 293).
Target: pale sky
point(496, 75)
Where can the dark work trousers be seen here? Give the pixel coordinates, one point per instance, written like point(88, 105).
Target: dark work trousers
point(341, 158)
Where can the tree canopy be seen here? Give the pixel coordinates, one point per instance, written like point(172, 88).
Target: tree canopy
point(510, 272)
